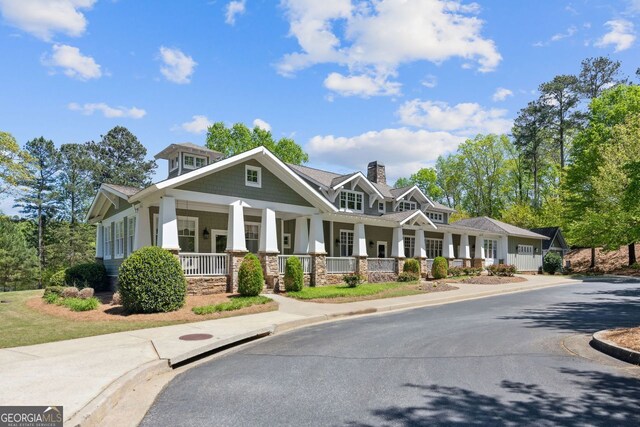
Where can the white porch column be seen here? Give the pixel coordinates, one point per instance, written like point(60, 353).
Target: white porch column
point(420, 249)
point(168, 228)
point(301, 245)
point(235, 229)
point(465, 251)
point(447, 246)
point(479, 253)
point(142, 236)
point(268, 232)
point(316, 238)
point(397, 246)
point(99, 241)
point(503, 249)
point(359, 241)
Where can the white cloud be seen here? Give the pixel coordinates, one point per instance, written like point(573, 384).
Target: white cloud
point(429, 81)
point(43, 18)
point(361, 85)
point(621, 35)
point(74, 63)
point(465, 119)
point(198, 124)
point(177, 67)
point(107, 111)
point(570, 32)
point(378, 37)
point(401, 150)
point(234, 8)
point(501, 94)
point(262, 124)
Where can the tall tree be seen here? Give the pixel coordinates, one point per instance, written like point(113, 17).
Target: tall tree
point(18, 261)
point(239, 138)
point(598, 74)
point(12, 168)
point(426, 180)
point(450, 174)
point(119, 158)
point(561, 96)
point(38, 199)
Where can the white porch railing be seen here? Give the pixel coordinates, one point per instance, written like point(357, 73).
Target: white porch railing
point(194, 264)
point(341, 265)
point(305, 260)
point(383, 265)
point(457, 263)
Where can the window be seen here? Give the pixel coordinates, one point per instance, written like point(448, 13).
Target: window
point(407, 206)
point(381, 208)
point(409, 246)
point(119, 240)
point(346, 243)
point(253, 176)
point(434, 248)
point(252, 236)
point(189, 162)
point(491, 249)
point(106, 230)
point(200, 162)
point(174, 164)
point(131, 234)
point(525, 249)
point(351, 201)
point(286, 241)
point(436, 216)
point(187, 234)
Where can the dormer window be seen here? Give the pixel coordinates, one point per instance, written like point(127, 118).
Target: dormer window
point(407, 206)
point(436, 216)
point(381, 208)
point(351, 201)
point(253, 176)
point(174, 163)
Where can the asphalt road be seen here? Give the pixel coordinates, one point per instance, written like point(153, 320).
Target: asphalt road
point(493, 361)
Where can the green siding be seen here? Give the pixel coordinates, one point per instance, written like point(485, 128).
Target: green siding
point(515, 241)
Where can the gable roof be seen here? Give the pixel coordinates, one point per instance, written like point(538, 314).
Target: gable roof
point(124, 190)
point(552, 233)
point(494, 226)
point(188, 147)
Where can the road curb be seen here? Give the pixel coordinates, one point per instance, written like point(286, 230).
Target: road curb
point(612, 349)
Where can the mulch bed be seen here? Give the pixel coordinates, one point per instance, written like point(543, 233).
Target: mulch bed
point(627, 337)
point(116, 313)
point(492, 280)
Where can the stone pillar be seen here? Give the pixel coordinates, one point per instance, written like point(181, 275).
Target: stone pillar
point(235, 259)
point(268, 248)
point(301, 244)
point(362, 267)
point(318, 269)
point(168, 228)
point(399, 265)
point(423, 267)
point(142, 236)
point(269, 262)
point(465, 250)
point(478, 258)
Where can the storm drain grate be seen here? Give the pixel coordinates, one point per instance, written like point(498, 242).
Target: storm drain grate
point(195, 337)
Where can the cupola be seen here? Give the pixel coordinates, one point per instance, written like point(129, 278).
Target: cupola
point(185, 157)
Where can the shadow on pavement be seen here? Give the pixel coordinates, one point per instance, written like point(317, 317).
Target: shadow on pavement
point(600, 399)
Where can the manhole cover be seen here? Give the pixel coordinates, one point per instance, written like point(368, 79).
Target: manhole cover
point(196, 337)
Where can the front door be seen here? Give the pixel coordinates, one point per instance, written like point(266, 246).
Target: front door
point(490, 252)
point(382, 249)
point(219, 242)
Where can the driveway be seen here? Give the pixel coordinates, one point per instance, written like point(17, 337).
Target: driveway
point(493, 361)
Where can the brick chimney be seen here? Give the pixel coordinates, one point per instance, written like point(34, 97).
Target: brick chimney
point(376, 173)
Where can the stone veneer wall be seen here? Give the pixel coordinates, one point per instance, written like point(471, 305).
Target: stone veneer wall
point(207, 285)
point(381, 277)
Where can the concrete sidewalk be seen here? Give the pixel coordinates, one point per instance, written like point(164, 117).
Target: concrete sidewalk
point(85, 375)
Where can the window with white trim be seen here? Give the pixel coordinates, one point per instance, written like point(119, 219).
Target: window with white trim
point(409, 246)
point(351, 201)
point(174, 163)
point(252, 236)
point(193, 162)
point(381, 207)
point(346, 243)
point(491, 249)
point(436, 216)
point(131, 233)
point(106, 231)
point(253, 176)
point(200, 162)
point(119, 239)
point(434, 247)
point(286, 241)
point(407, 206)
point(188, 234)
point(525, 249)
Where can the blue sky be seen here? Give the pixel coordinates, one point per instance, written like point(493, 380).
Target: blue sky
point(399, 81)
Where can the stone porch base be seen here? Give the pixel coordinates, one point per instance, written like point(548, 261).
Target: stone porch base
point(207, 285)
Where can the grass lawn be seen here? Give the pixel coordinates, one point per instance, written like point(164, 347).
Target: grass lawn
point(27, 322)
point(343, 293)
point(236, 303)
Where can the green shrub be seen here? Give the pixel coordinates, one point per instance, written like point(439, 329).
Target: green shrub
point(408, 276)
point(502, 270)
point(250, 277)
point(87, 275)
point(151, 280)
point(456, 271)
point(440, 268)
point(293, 275)
point(236, 303)
point(58, 279)
point(51, 298)
point(352, 280)
point(635, 266)
point(79, 304)
point(471, 271)
point(552, 263)
point(55, 290)
point(411, 265)
point(70, 292)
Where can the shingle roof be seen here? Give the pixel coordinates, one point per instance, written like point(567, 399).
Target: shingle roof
point(494, 226)
point(551, 233)
point(340, 178)
point(395, 192)
point(398, 216)
point(321, 177)
point(441, 207)
point(124, 189)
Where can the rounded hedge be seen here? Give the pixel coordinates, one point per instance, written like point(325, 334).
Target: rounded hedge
point(151, 280)
point(87, 275)
point(293, 275)
point(440, 268)
point(250, 277)
point(552, 263)
point(412, 265)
